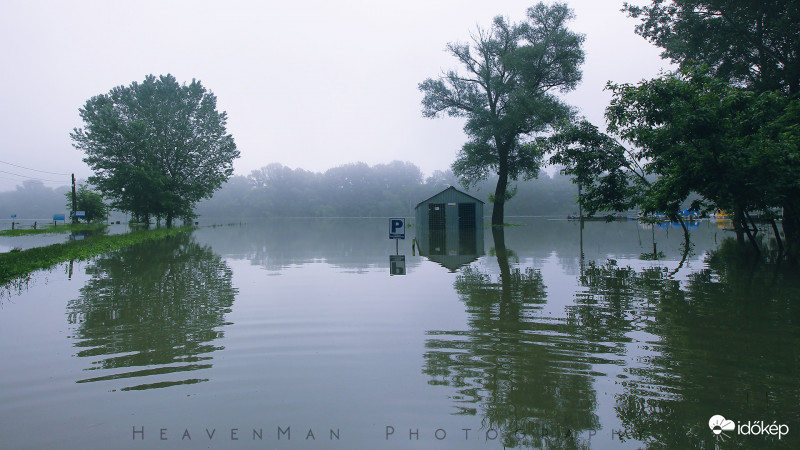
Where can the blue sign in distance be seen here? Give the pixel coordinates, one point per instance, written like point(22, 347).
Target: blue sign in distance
point(397, 228)
point(58, 217)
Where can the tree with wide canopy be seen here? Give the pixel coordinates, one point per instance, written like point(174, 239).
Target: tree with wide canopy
point(506, 93)
point(156, 147)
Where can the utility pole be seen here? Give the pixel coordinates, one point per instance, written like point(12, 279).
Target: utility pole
point(74, 201)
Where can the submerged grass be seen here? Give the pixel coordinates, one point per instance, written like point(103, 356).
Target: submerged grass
point(51, 229)
point(17, 264)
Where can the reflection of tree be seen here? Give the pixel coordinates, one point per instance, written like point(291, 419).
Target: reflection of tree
point(726, 345)
point(616, 301)
point(152, 310)
point(527, 376)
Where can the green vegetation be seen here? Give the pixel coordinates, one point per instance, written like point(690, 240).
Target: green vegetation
point(51, 229)
point(740, 68)
point(607, 179)
point(156, 147)
point(746, 43)
point(506, 95)
point(724, 127)
point(18, 264)
point(90, 202)
point(736, 148)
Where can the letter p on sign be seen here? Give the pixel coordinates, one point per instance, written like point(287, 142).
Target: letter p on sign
point(397, 230)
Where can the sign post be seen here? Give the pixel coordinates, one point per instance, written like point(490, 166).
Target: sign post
point(397, 230)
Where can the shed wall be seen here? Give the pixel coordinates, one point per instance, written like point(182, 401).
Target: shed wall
point(460, 236)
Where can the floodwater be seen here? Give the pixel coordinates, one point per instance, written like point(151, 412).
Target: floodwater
point(300, 333)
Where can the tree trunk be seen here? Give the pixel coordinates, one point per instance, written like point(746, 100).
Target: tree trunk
point(791, 228)
point(750, 233)
point(498, 234)
point(169, 220)
point(683, 225)
point(500, 192)
point(777, 236)
point(738, 220)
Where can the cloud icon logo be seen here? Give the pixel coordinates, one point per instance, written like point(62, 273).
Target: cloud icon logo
point(718, 424)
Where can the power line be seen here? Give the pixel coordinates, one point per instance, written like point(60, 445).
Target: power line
point(31, 178)
point(28, 168)
point(60, 183)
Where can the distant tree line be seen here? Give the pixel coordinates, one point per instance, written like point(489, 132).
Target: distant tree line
point(360, 190)
point(33, 200)
point(349, 190)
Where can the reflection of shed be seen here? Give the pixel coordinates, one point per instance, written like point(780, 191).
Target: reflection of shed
point(449, 226)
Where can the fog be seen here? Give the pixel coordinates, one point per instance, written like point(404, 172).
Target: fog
point(307, 83)
point(32, 200)
point(349, 190)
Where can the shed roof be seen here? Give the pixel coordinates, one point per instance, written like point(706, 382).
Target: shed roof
point(448, 189)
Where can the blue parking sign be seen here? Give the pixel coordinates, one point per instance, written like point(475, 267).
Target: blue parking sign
point(397, 228)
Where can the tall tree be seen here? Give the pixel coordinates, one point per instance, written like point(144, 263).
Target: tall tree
point(750, 44)
point(609, 177)
point(506, 94)
point(734, 147)
point(156, 147)
point(615, 178)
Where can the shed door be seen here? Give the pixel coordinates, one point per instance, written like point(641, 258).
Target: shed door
point(467, 234)
point(436, 216)
point(466, 216)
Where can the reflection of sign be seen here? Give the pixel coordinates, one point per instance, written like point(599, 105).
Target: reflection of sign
point(397, 229)
point(80, 213)
point(397, 264)
point(58, 217)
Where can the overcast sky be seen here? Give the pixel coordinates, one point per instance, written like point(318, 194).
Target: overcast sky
point(307, 83)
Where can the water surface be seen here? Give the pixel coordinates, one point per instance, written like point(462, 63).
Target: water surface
point(295, 334)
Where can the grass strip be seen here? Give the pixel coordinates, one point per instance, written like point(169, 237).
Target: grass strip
point(50, 229)
point(20, 263)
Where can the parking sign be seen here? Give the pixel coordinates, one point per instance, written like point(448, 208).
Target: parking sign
point(397, 228)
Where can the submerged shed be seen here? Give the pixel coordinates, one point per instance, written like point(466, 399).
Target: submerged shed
point(449, 227)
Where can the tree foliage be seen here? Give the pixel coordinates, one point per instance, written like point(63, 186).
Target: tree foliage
point(156, 147)
point(90, 202)
point(609, 177)
point(754, 48)
point(749, 43)
point(506, 94)
point(737, 148)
